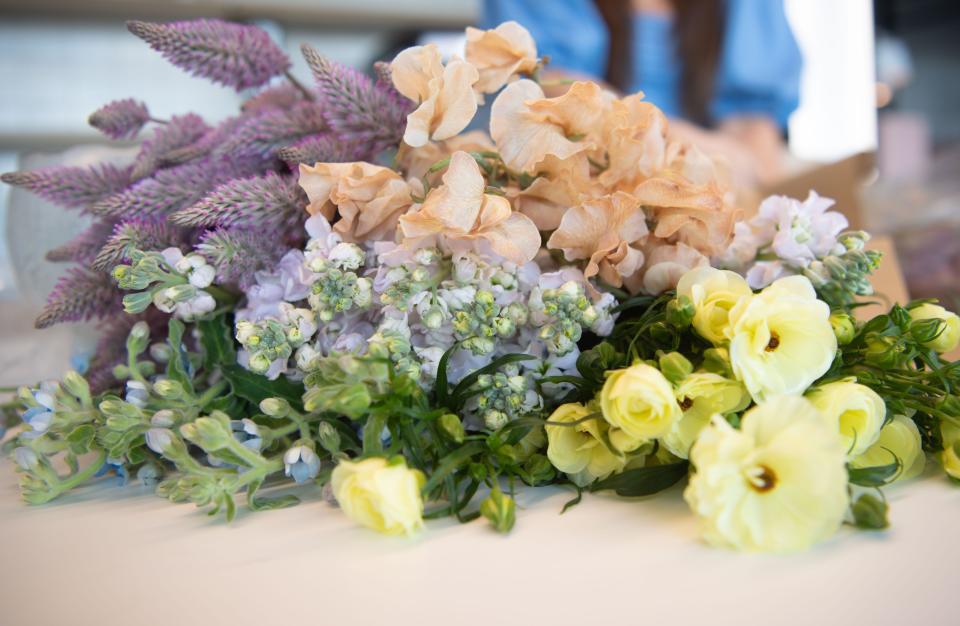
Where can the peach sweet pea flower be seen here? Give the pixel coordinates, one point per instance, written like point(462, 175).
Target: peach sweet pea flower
point(500, 54)
point(601, 230)
point(666, 263)
point(368, 197)
point(444, 93)
point(527, 127)
point(635, 140)
point(415, 162)
point(460, 210)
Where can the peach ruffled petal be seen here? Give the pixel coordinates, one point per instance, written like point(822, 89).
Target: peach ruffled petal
point(500, 53)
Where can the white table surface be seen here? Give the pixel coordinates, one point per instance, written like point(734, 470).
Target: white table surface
point(120, 555)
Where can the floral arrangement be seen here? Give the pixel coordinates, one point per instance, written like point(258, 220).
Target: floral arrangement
point(344, 288)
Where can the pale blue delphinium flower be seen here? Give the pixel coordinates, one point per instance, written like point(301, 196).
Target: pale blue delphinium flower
point(114, 465)
point(40, 417)
point(137, 394)
point(159, 439)
point(26, 457)
point(301, 463)
point(247, 432)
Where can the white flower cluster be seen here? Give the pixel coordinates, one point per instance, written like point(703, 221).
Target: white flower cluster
point(412, 305)
point(785, 237)
point(187, 301)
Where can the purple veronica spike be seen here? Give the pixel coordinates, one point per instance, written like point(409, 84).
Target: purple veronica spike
point(81, 294)
point(180, 132)
point(72, 187)
point(235, 55)
point(355, 107)
point(323, 149)
point(261, 200)
point(142, 233)
point(84, 247)
point(265, 133)
point(120, 119)
point(238, 253)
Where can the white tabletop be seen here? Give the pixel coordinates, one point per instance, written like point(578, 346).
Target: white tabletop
point(120, 555)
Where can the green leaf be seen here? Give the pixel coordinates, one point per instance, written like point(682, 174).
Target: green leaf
point(254, 387)
point(80, 439)
point(178, 366)
point(267, 504)
point(450, 463)
point(643, 481)
point(440, 387)
point(372, 444)
point(573, 502)
point(217, 343)
point(876, 476)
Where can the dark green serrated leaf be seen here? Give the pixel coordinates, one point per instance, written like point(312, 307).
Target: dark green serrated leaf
point(643, 481)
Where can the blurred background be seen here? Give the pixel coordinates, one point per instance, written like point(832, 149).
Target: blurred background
point(877, 124)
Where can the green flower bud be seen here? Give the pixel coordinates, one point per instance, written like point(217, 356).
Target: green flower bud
point(478, 472)
point(500, 510)
point(169, 389)
point(539, 469)
point(495, 419)
point(508, 454)
point(329, 437)
point(680, 312)
point(208, 432)
point(675, 367)
point(78, 386)
point(134, 303)
point(275, 407)
point(119, 408)
point(843, 327)
point(924, 331)
point(883, 351)
point(717, 361)
point(452, 426)
point(870, 512)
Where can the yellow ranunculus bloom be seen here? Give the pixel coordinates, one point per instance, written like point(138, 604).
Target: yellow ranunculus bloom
point(856, 411)
point(639, 401)
point(781, 339)
point(380, 495)
point(578, 450)
point(902, 438)
point(702, 395)
point(778, 484)
point(950, 337)
point(713, 293)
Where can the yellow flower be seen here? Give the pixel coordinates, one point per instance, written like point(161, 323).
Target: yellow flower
point(444, 94)
point(460, 210)
point(856, 411)
point(380, 495)
point(902, 438)
point(639, 401)
point(579, 451)
point(500, 54)
point(781, 339)
point(949, 457)
point(778, 484)
point(949, 337)
point(701, 396)
point(713, 293)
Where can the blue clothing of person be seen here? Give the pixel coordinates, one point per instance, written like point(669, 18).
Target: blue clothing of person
point(758, 72)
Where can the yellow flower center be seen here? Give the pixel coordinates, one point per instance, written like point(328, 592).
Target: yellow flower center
point(761, 478)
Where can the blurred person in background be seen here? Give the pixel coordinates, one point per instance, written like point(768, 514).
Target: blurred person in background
point(727, 73)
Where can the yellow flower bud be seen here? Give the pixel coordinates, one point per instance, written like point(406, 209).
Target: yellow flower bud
point(578, 450)
point(949, 337)
point(639, 401)
point(902, 438)
point(713, 293)
point(854, 410)
point(381, 496)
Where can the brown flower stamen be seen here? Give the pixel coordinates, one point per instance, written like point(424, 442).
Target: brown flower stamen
point(764, 481)
point(686, 403)
point(774, 343)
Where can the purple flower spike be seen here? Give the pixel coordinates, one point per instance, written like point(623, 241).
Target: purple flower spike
point(264, 133)
point(120, 119)
point(239, 253)
point(358, 109)
point(168, 140)
point(72, 187)
point(140, 233)
point(81, 294)
point(261, 200)
point(235, 55)
point(84, 247)
point(323, 149)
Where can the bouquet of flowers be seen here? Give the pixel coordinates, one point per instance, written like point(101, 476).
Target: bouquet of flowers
point(341, 287)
